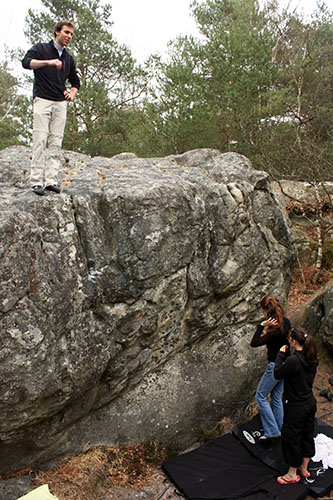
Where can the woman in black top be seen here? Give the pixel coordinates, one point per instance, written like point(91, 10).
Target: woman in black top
point(272, 332)
point(298, 372)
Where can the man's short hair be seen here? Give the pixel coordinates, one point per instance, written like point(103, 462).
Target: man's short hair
point(60, 24)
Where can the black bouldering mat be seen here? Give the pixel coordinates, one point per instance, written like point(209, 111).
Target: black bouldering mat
point(321, 480)
point(272, 490)
point(270, 453)
point(224, 469)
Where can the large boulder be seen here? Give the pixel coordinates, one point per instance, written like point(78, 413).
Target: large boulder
point(128, 301)
point(316, 316)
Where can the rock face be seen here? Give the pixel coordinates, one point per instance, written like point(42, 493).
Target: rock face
point(316, 316)
point(128, 301)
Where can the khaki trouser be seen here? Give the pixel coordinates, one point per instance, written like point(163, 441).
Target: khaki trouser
point(48, 128)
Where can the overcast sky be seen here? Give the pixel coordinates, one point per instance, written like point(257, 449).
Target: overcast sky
point(145, 26)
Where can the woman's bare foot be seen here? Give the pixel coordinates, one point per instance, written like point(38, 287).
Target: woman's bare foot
point(288, 479)
point(304, 472)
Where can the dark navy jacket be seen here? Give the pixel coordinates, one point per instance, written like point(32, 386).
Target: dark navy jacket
point(50, 82)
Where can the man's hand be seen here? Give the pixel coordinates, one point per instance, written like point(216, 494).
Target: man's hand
point(284, 348)
point(69, 96)
point(55, 62)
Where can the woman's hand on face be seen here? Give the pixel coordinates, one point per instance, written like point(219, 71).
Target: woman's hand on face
point(284, 348)
point(269, 322)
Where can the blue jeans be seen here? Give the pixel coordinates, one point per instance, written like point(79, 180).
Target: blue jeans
point(271, 414)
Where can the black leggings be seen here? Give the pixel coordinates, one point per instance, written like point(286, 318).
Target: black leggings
point(298, 431)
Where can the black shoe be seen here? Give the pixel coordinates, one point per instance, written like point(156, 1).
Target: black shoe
point(266, 439)
point(327, 394)
point(330, 380)
point(38, 190)
point(53, 188)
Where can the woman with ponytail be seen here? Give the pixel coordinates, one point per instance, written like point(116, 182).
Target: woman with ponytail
point(298, 371)
point(272, 332)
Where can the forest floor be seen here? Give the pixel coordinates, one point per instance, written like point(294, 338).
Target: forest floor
point(134, 472)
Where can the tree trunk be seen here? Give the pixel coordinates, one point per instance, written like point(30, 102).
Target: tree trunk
point(320, 234)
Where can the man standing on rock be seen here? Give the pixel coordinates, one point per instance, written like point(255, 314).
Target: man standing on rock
point(52, 66)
